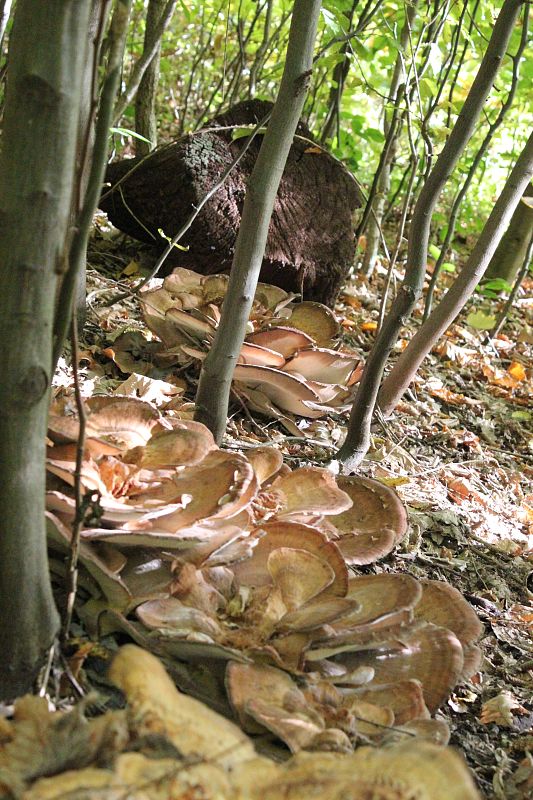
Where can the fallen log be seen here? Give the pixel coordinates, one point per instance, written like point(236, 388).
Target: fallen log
point(310, 246)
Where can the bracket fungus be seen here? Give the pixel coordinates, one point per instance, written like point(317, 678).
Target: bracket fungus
point(166, 744)
point(198, 553)
point(287, 364)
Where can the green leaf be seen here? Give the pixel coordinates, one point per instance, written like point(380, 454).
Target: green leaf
point(133, 134)
point(428, 87)
point(330, 22)
point(433, 251)
point(448, 267)
point(481, 321)
point(522, 415)
point(497, 285)
point(331, 60)
point(186, 12)
point(241, 133)
point(364, 53)
point(373, 134)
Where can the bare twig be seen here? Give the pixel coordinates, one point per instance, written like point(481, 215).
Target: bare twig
point(72, 571)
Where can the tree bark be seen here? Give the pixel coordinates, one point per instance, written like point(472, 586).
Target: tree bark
point(144, 61)
point(85, 144)
point(89, 199)
point(215, 381)
point(384, 178)
point(405, 368)
point(357, 439)
point(511, 252)
point(338, 79)
point(502, 317)
point(37, 170)
point(476, 161)
point(145, 116)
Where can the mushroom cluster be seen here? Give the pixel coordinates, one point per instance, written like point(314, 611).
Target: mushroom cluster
point(166, 744)
point(288, 363)
point(198, 552)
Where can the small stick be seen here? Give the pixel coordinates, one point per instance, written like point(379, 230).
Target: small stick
point(72, 574)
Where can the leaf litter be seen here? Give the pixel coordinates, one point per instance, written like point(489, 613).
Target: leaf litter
point(457, 453)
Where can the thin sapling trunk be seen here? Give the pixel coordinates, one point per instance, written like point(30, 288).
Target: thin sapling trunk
point(357, 440)
point(455, 298)
point(37, 175)
point(212, 398)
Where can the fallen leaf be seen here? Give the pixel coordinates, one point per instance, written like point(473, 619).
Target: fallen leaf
point(517, 371)
point(500, 709)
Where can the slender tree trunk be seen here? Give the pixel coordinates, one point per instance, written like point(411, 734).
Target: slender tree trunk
point(215, 381)
point(87, 201)
point(144, 61)
point(37, 170)
point(383, 182)
point(476, 161)
point(502, 317)
point(405, 368)
point(510, 253)
point(145, 116)
point(338, 79)
point(84, 150)
point(357, 440)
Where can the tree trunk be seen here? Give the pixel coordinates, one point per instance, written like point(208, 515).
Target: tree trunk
point(338, 79)
point(145, 117)
point(37, 170)
point(162, 190)
point(405, 368)
point(374, 222)
point(85, 141)
point(88, 201)
point(357, 439)
point(144, 61)
point(510, 253)
point(215, 381)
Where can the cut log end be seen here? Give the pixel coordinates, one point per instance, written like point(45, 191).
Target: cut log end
point(310, 245)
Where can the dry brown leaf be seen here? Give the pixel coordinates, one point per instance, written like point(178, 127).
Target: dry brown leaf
point(499, 710)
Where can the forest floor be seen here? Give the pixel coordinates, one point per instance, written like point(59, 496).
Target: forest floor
point(459, 450)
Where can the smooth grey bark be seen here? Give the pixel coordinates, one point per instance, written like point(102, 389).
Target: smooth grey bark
point(500, 322)
point(37, 171)
point(477, 160)
point(373, 235)
point(511, 252)
point(144, 61)
point(261, 50)
point(357, 439)
point(455, 298)
point(212, 398)
point(84, 150)
point(338, 79)
point(89, 199)
point(145, 115)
